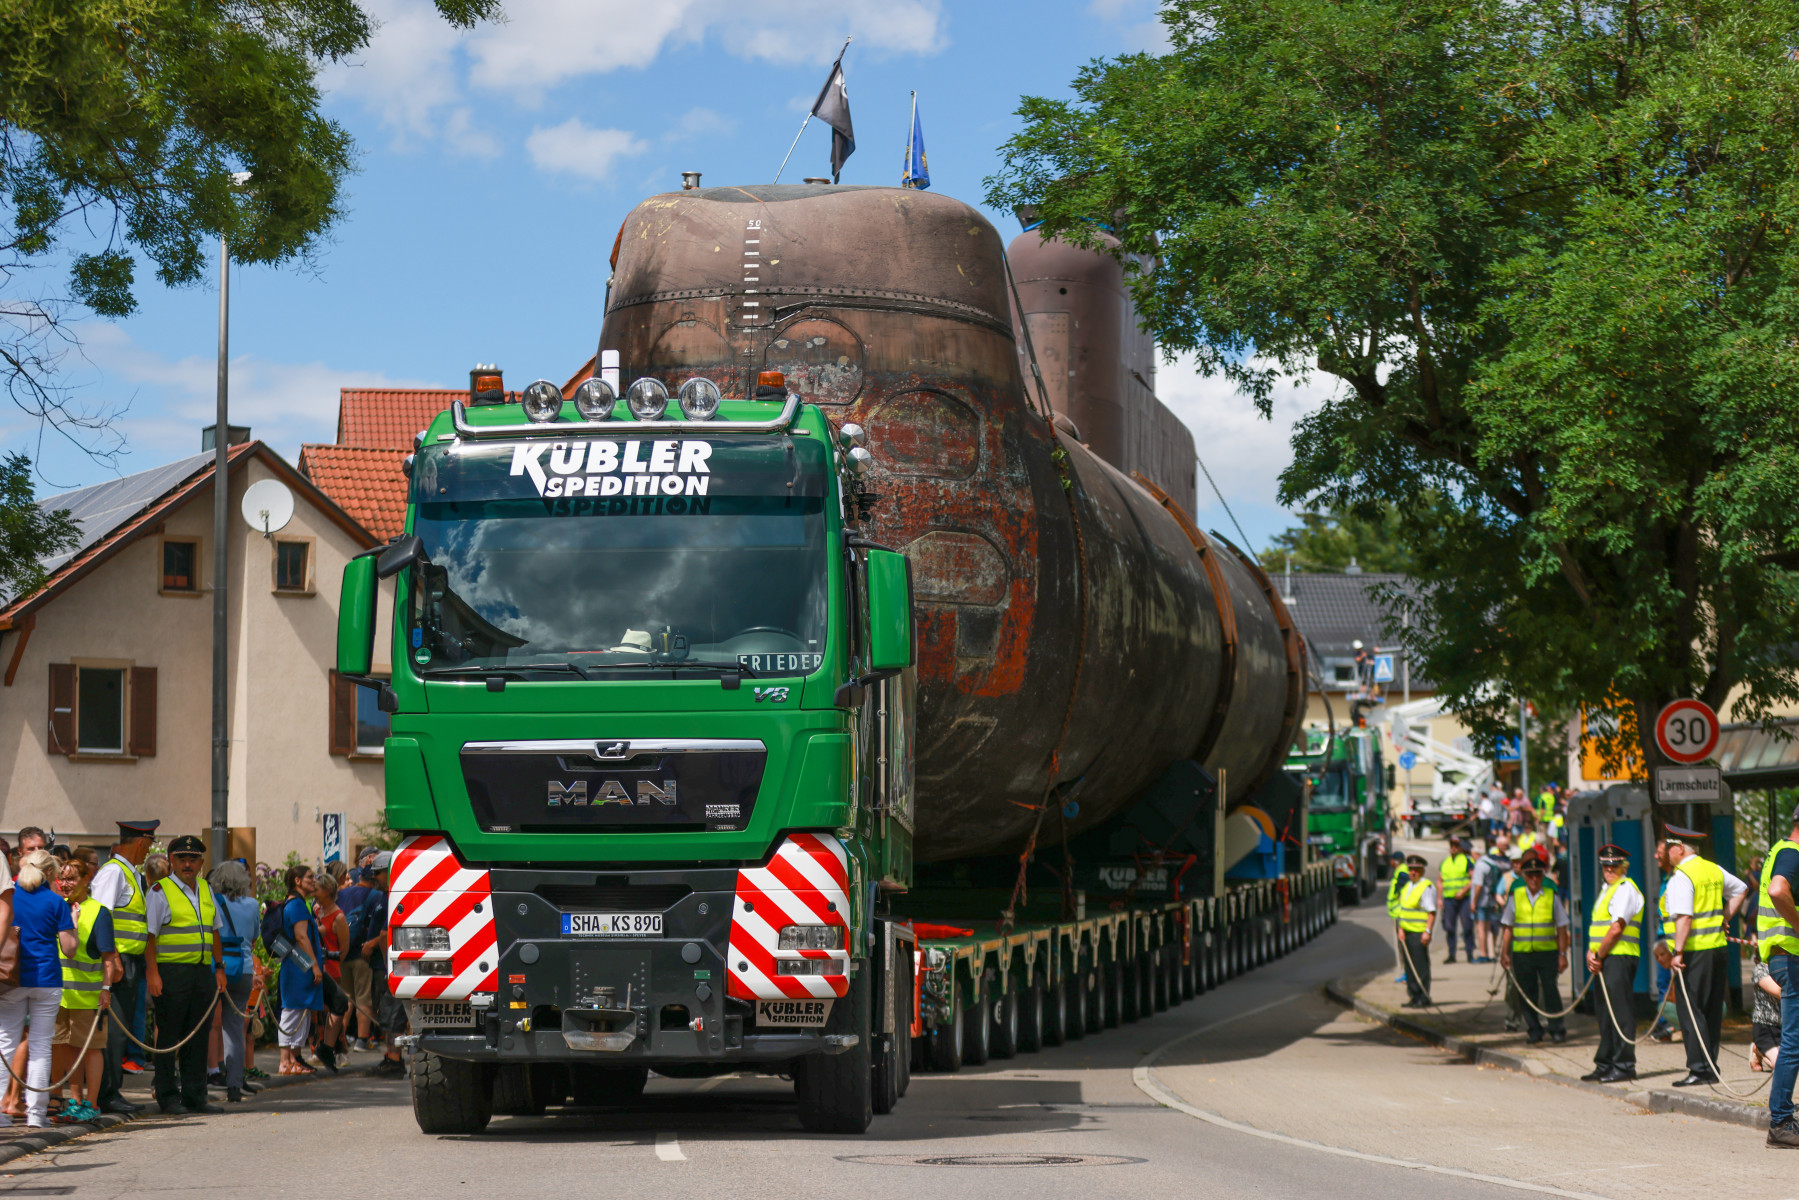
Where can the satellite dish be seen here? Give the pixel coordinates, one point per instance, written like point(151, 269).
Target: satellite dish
point(268, 506)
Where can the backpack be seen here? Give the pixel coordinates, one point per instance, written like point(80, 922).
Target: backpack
point(358, 931)
point(272, 926)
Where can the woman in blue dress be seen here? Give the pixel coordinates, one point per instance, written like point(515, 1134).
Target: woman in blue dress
point(302, 982)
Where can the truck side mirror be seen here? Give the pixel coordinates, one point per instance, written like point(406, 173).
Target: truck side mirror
point(356, 616)
point(889, 611)
point(400, 554)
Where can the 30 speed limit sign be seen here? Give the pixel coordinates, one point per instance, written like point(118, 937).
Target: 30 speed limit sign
point(1687, 731)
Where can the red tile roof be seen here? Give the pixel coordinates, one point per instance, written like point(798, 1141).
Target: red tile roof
point(389, 418)
point(366, 483)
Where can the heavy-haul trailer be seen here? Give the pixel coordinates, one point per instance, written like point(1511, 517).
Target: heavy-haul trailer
point(862, 699)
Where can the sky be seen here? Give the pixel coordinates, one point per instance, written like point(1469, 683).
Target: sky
point(497, 164)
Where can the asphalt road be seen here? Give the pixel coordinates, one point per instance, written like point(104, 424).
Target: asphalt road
point(1275, 1092)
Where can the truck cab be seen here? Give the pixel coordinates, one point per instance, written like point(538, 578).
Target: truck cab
point(1348, 809)
point(651, 730)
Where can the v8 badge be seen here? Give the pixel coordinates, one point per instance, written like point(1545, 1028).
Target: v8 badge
point(776, 695)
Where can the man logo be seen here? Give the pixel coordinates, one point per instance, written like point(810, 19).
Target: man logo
point(614, 750)
point(777, 695)
point(573, 793)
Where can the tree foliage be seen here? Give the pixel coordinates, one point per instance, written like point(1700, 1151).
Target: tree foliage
point(28, 532)
point(1549, 248)
point(121, 125)
point(1334, 539)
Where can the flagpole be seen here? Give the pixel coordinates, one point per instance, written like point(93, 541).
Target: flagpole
point(808, 120)
point(906, 175)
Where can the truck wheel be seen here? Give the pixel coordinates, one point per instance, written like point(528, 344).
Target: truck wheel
point(1160, 997)
point(449, 1095)
point(1004, 1042)
point(896, 1056)
point(943, 1044)
point(1112, 1011)
point(512, 1094)
point(1190, 972)
point(1031, 1019)
point(592, 1086)
point(836, 1091)
point(977, 1033)
point(1057, 1012)
point(1080, 1006)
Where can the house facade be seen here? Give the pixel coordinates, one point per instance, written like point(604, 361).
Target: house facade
point(106, 696)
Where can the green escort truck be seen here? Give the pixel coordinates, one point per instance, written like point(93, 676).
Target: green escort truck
point(800, 691)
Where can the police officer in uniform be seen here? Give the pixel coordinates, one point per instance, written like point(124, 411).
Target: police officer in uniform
point(1417, 916)
point(185, 969)
point(119, 885)
point(1455, 878)
point(1614, 944)
point(1697, 905)
point(1396, 882)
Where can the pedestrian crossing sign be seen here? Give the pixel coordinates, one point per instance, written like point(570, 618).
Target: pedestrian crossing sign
point(1383, 668)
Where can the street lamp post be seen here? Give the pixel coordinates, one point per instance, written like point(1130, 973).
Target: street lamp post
point(221, 498)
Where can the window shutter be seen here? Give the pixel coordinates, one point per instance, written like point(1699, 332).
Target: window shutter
point(62, 708)
point(143, 711)
point(343, 715)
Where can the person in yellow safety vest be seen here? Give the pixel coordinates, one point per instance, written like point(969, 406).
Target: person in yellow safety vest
point(1534, 948)
point(119, 885)
point(1455, 880)
point(1396, 882)
point(1417, 916)
point(1777, 941)
point(1697, 907)
point(1614, 945)
point(1528, 840)
point(86, 976)
point(185, 967)
point(1545, 807)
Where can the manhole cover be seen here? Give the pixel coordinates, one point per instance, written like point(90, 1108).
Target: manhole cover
point(991, 1160)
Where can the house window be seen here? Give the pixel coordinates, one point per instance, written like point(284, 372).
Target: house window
point(372, 724)
point(100, 710)
point(105, 709)
point(1343, 673)
point(181, 565)
point(293, 566)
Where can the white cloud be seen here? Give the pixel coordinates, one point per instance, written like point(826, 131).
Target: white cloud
point(417, 70)
point(284, 404)
point(1244, 451)
point(572, 148)
point(697, 122)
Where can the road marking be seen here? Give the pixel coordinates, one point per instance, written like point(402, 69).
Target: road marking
point(668, 1148)
point(1146, 1083)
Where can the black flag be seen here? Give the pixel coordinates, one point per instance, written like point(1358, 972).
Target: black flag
point(833, 108)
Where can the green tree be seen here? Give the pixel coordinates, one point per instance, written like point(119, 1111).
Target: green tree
point(122, 123)
point(28, 532)
point(1549, 248)
point(1330, 541)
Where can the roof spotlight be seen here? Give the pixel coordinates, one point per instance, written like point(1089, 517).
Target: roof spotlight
point(851, 434)
point(647, 399)
point(594, 399)
point(542, 401)
point(699, 399)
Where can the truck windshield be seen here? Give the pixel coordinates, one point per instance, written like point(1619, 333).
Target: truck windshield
point(1330, 791)
point(605, 554)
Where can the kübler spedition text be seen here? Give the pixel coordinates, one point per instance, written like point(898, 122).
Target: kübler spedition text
point(600, 468)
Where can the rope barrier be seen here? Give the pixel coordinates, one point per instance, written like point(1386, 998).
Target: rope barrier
point(1681, 975)
point(80, 1062)
point(1613, 1017)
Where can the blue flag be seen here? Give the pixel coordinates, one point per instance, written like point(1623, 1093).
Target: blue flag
point(918, 170)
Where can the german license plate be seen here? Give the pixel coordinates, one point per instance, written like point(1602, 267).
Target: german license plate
point(611, 925)
point(813, 1013)
point(442, 1014)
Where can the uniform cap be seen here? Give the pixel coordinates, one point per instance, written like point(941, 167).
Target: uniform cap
point(137, 829)
point(187, 843)
point(1676, 833)
point(1414, 860)
point(1611, 853)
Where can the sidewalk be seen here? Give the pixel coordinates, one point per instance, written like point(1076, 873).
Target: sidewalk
point(1468, 1021)
point(18, 1140)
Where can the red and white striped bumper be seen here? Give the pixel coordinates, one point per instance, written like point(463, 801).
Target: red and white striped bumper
point(431, 886)
point(806, 882)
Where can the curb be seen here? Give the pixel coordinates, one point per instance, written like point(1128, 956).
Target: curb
point(1658, 1100)
point(55, 1135)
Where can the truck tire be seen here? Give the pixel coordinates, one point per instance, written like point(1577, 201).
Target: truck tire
point(895, 1060)
point(836, 1091)
point(449, 1095)
point(1112, 986)
point(1031, 1019)
point(1058, 1009)
point(1130, 992)
point(977, 1032)
point(1004, 1041)
point(1160, 992)
point(1190, 972)
point(592, 1086)
point(512, 1094)
point(943, 1044)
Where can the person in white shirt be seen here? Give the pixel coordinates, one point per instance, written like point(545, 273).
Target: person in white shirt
point(119, 885)
point(1698, 905)
point(1614, 947)
point(1417, 917)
